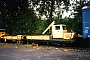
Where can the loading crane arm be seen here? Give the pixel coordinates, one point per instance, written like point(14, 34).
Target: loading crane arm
point(48, 27)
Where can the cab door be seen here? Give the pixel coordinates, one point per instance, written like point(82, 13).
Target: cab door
point(57, 31)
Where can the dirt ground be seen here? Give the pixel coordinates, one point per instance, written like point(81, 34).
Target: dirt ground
point(42, 52)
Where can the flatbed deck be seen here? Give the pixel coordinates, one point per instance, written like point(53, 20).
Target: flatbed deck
point(45, 38)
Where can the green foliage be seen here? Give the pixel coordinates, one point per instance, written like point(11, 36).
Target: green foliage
point(47, 7)
point(41, 26)
point(19, 19)
point(78, 18)
point(26, 24)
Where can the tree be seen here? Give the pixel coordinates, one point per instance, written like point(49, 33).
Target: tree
point(77, 26)
point(2, 21)
point(47, 7)
point(18, 18)
point(26, 24)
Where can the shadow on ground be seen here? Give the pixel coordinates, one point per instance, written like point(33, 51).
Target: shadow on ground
point(80, 42)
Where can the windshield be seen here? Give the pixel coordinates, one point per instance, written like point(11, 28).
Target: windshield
point(2, 30)
point(64, 28)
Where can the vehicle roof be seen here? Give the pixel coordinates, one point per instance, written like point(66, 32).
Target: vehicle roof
point(60, 25)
